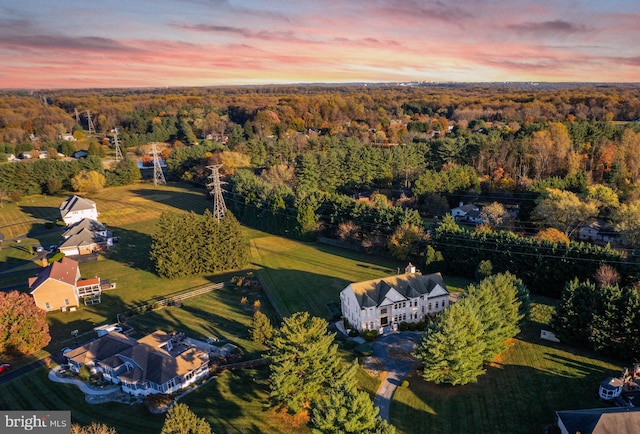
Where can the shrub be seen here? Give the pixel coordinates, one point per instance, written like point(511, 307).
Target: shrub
point(405, 383)
point(364, 350)
point(403, 326)
point(370, 335)
point(350, 345)
point(353, 333)
point(84, 373)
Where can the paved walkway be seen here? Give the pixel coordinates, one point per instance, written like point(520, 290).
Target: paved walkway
point(394, 351)
point(53, 376)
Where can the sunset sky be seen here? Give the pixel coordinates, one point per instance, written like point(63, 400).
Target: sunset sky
point(150, 43)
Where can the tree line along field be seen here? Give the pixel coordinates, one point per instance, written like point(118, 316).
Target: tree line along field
point(518, 394)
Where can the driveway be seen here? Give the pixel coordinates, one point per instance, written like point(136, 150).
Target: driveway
point(394, 351)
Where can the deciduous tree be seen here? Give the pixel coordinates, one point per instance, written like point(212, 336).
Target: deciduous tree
point(23, 327)
point(88, 181)
point(94, 428)
point(563, 210)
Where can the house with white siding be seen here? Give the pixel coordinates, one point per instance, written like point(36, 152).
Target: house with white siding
point(383, 303)
point(77, 208)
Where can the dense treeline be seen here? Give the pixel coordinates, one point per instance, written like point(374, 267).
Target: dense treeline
point(278, 210)
point(51, 176)
point(187, 244)
point(544, 266)
point(604, 317)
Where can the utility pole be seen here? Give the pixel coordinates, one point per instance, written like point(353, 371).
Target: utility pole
point(158, 175)
point(219, 207)
point(92, 128)
point(117, 145)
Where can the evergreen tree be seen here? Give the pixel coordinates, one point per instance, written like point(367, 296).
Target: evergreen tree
point(261, 330)
point(181, 420)
point(495, 300)
point(303, 361)
point(452, 348)
point(572, 319)
point(344, 410)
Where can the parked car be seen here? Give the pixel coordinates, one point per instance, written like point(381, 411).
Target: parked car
point(4, 367)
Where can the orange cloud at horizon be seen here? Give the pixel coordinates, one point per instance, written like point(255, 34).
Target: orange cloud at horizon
point(377, 41)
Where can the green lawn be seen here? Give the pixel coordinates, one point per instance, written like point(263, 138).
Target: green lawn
point(36, 392)
point(310, 276)
point(518, 394)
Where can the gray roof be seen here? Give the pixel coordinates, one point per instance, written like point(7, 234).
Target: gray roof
point(86, 223)
point(76, 203)
point(410, 285)
point(615, 420)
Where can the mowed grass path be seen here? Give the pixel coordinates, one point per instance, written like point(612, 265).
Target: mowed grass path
point(520, 392)
point(310, 276)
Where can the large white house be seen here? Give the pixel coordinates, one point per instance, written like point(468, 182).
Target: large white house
point(77, 208)
point(380, 303)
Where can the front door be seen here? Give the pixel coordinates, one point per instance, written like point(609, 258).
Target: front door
point(384, 321)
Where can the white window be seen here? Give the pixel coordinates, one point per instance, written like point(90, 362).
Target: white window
point(66, 302)
point(436, 304)
point(47, 306)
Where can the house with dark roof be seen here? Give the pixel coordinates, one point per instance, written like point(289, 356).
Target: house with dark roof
point(60, 287)
point(613, 420)
point(380, 303)
point(85, 237)
point(76, 208)
point(468, 213)
point(599, 232)
point(157, 363)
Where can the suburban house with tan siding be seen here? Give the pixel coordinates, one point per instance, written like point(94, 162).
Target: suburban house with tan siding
point(60, 287)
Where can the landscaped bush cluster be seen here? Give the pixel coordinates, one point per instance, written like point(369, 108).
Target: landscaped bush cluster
point(370, 335)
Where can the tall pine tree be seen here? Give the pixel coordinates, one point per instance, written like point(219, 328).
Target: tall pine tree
point(303, 361)
point(452, 348)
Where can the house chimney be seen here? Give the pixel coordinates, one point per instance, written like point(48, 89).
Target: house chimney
point(410, 268)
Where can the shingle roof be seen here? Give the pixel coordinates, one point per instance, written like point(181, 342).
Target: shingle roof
point(76, 203)
point(154, 364)
point(372, 293)
point(84, 224)
point(83, 238)
point(616, 420)
point(65, 271)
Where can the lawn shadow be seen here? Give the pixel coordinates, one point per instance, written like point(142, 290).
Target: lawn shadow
point(176, 199)
point(507, 399)
point(132, 249)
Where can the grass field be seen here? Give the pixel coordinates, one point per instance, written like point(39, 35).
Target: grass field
point(517, 395)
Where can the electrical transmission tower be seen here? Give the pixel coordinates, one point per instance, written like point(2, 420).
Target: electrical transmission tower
point(77, 116)
point(219, 207)
point(117, 145)
point(158, 176)
point(92, 128)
